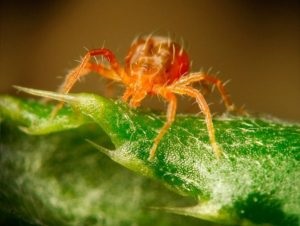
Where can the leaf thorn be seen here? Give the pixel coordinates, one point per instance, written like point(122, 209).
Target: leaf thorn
point(48, 94)
point(104, 150)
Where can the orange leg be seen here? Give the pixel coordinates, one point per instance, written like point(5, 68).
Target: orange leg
point(205, 109)
point(198, 77)
point(115, 72)
point(85, 66)
point(171, 112)
point(137, 98)
point(127, 94)
point(103, 71)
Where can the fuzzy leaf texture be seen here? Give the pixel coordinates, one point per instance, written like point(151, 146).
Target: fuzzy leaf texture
point(51, 173)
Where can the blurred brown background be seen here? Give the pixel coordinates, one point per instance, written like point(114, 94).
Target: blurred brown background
point(255, 44)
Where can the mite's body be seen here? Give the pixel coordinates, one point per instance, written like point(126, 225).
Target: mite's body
point(153, 65)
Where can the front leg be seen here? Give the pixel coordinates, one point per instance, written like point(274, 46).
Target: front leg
point(189, 91)
point(135, 97)
point(171, 112)
point(127, 94)
point(114, 73)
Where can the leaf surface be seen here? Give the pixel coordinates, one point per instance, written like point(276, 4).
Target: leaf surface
point(256, 180)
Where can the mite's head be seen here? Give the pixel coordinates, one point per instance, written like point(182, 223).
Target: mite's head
point(156, 56)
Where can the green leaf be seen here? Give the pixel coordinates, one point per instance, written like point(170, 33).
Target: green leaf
point(255, 182)
point(60, 179)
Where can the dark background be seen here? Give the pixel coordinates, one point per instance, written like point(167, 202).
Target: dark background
point(255, 44)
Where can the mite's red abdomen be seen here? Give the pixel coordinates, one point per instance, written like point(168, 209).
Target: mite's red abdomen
point(157, 57)
point(180, 64)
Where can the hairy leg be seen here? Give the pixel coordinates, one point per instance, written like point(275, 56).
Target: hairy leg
point(115, 72)
point(198, 77)
point(103, 71)
point(127, 94)
point(189, 91)
point(85, 67)
point(171, 112)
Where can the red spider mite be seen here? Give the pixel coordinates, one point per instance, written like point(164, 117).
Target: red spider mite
point(153, 65)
